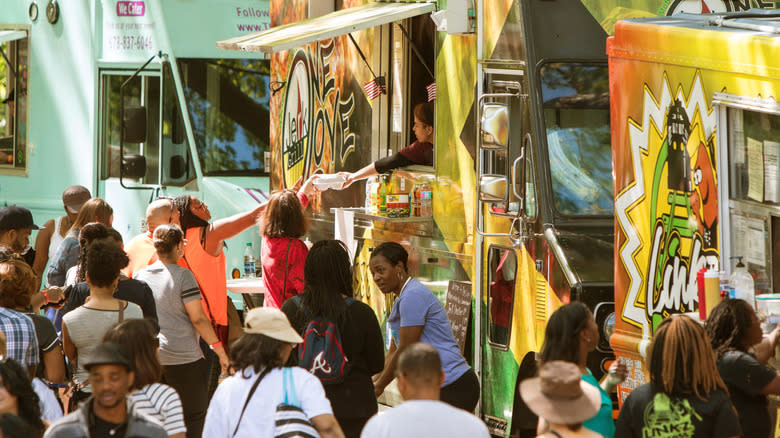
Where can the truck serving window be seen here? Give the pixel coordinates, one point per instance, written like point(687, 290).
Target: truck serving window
point(228, 105)
point(576, 118)
point(14, 63)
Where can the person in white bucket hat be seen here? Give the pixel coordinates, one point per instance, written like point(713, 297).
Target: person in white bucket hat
point(562, 398)
point(245, 404)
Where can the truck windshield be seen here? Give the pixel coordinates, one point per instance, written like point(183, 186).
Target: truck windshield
point(576, 117)
point(227, 100)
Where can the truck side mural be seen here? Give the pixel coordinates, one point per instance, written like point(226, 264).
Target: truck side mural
point(674, 180)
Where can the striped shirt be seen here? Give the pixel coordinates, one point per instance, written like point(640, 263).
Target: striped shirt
point(173, 287)
point(162, 403)
point(21, 342)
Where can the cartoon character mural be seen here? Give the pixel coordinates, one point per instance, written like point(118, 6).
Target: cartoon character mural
point(678, 198)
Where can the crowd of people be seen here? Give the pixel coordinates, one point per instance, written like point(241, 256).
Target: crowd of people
point(133, 339)
point(141, 355)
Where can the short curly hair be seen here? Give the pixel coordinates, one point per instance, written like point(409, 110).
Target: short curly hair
point(17, 284)
point(104, 261)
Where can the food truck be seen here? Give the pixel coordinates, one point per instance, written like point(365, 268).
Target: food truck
point(695, 144)
point(521, 179)
point(197, 117)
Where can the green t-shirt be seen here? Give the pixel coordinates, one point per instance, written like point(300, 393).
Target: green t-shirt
point(601, 423)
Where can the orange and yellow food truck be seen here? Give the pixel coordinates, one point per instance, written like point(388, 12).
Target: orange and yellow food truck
point(695, 153)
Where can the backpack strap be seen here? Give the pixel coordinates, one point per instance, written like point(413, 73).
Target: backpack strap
point(249, 397)
point(286, 263)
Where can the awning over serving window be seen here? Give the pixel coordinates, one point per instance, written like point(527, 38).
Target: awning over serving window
point(325, 26)
point(11, 35)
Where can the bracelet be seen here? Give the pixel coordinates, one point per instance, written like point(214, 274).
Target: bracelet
point(45, 295)
point(215, 345)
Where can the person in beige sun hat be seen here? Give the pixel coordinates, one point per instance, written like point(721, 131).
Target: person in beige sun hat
point(561, 397)
point(262, 382)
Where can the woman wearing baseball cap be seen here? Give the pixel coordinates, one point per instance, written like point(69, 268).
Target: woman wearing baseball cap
point(262, 382)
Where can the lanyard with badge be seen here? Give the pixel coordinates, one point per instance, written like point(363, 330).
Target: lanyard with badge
point(394, 334)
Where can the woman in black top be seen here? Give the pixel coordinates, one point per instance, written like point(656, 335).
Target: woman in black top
point(742, 352)
point(327, 285)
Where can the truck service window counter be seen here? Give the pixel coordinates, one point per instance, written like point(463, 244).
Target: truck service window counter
point(695, 155)
point(196, 118)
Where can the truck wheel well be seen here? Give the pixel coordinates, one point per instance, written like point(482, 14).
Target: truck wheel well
point(523, 420)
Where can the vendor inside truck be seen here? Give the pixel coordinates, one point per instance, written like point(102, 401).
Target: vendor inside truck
point(419, 152)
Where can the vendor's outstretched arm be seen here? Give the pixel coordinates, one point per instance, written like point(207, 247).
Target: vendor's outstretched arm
point(363, 173)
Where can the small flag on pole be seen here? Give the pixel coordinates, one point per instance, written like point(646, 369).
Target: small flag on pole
point(374, 88)
point(431, 88)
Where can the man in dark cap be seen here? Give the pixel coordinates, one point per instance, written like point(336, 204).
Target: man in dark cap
point(16, 225)
point(107, 413)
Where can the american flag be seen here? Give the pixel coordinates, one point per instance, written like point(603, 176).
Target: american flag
point(431, 88)
point(374, 88)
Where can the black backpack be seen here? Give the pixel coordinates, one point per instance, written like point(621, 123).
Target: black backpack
point(321, 352)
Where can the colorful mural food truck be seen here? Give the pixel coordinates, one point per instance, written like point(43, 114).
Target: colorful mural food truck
point(695, 143)
point(204, 112)
point(521, 177)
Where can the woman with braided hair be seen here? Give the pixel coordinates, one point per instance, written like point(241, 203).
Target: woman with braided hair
point(686, 397)
point(742, 351)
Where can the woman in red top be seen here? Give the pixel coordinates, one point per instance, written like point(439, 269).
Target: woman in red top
point(283, 253)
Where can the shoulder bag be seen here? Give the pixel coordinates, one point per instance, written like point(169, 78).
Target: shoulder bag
point(291, 421)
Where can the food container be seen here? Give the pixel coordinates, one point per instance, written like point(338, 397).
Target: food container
point(398, 205)
point(768, 308)
point(333, 181)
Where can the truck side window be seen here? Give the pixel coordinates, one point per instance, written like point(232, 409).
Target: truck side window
point(502, 269)
point(14, 65)
point(176, 161)
point(143, 90)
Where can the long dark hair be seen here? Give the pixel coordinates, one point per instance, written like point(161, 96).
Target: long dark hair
point(327, 276)
point(17, 382)
point(560, 337)
point(138, 338)
point(682, 362)
point(187, 218)
point(727, 325)
point(257, 351)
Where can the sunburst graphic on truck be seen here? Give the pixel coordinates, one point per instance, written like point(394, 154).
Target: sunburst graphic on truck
point(669, 213)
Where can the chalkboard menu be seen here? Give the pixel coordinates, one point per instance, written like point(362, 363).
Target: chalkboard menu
point(458, 307)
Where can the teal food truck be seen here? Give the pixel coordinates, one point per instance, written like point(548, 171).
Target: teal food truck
point(196, 118)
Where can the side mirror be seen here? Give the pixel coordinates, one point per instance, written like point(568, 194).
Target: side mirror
point(177, 167)
point(133, 166)
point(492, 188)
point(494, 126)
point(134, 124)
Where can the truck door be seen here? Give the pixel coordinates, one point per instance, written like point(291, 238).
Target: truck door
point(154, 154)
point(505, 214)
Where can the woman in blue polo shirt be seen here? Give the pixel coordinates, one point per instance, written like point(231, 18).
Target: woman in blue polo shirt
point(418, 316)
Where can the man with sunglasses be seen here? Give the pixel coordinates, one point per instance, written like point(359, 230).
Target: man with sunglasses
point(140, 249)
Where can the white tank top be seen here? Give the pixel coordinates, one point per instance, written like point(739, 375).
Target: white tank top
point(56, 237)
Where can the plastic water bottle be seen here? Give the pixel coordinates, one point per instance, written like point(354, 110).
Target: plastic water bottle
point(742, 282)
point(249, 261)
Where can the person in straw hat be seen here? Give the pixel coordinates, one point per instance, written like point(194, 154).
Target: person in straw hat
point(563, 399)
point(258, 385)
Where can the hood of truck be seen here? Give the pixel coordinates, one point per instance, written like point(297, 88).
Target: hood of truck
point(590, 254)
